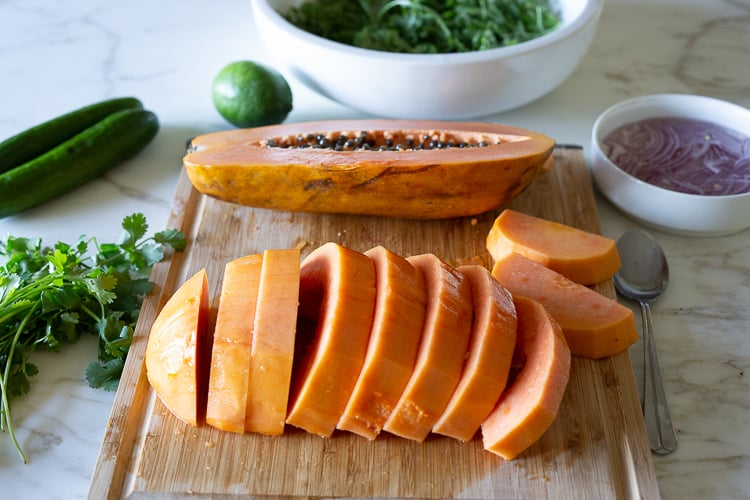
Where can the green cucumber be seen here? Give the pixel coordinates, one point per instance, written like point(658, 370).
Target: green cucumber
point(39, 139)
point(81, 158)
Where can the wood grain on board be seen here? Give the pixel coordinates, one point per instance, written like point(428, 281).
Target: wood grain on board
point(595, 449)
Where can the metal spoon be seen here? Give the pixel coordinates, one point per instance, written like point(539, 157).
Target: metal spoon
point(643, 277)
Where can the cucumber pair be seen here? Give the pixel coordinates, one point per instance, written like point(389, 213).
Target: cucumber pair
point(54, 157)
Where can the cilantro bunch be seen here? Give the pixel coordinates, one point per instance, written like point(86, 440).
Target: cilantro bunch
point(50, 296)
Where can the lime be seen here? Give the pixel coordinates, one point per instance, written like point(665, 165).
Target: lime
point(248, 94)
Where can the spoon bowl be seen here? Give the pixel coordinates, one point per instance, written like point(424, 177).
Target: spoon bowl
point(644, 272)
point(643, 277)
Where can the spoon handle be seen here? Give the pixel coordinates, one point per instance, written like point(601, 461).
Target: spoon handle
point(661, 434)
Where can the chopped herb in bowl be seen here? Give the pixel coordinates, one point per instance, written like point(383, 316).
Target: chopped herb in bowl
point(426, 26)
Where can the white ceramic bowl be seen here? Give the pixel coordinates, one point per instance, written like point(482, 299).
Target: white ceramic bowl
point(430, 86)
point(663, 209)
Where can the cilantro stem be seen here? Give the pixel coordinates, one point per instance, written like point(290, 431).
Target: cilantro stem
point(5, 408)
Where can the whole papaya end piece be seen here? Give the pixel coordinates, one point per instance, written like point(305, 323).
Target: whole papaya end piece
point(395, 168)
point(178, 353)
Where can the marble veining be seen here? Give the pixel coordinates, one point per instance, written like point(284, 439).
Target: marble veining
point(59, 56)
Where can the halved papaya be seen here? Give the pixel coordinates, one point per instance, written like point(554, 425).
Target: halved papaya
point(398, 168)
point(178, 352)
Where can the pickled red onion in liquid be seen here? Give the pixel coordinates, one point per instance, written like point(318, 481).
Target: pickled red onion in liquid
point(683, 155)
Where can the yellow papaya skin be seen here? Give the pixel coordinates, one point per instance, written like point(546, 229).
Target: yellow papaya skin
point(238, 166)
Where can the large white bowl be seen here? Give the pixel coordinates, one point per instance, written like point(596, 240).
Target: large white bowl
point(430, 86)
point(663, 209)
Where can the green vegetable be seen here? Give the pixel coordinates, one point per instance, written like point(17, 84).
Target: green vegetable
point(84, 156)
point(39, 139)
point(426, 26)
point(50, 296)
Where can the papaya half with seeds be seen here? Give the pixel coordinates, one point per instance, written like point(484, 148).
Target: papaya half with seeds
point(396, 168)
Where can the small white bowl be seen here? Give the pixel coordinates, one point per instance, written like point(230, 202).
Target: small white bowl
point(656, 207)
point(430, 86)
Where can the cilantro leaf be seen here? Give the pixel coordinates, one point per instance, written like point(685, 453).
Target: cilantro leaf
point(172, 238)
point(135, 227)
point(18, 383)
point(105, 374)
point(149, 253)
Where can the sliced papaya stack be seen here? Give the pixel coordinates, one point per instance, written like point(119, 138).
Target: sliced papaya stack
point(440, 357)
point(530, 404)
point(488, 358)
point(396, 168)
point(392, 348)
point(337, 302)
point(178, 352)
point(369, 342)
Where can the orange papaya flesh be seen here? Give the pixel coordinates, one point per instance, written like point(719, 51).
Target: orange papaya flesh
point(595, 326)
point(337, 296)
point(442, 348)
point(178, 352)
point(471, 168)
point(581, 256)
point(488, 357)
point(232, 338)
point(392, 349)
point(272, 350)
point(529, 406)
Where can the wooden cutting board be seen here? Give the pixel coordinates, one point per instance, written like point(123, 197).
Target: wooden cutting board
point(596, 448)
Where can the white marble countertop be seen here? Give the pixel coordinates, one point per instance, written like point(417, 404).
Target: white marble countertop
point(57, 56)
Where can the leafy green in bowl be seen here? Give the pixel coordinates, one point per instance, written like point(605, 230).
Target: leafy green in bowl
point(426, 26)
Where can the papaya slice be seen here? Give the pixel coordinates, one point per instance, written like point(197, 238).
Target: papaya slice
point(440, 356)
point(337, 301)
point(397, 168)
point(488, 359)
point(595, 326)
point(233, 333)
point(392, 348)
point(530, 404)
point(272, 351)
point(581, 256)
point(178, 352)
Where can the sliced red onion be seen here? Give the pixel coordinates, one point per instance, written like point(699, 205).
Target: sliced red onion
point(685, 155)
